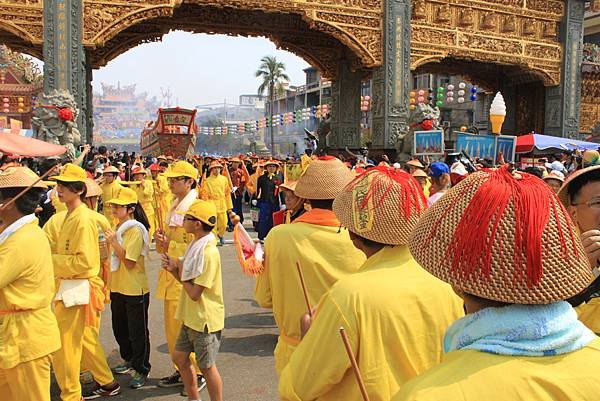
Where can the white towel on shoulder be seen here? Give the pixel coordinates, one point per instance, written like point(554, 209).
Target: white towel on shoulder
point(193, 260)
point(176, 220)
point(115, 261)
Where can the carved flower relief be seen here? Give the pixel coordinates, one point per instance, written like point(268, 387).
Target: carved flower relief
point(465, 17)
point(550, 31)
point(488, 20)
point(529, 27)
point(419, 10)
point(443, 13)
point(509, 24)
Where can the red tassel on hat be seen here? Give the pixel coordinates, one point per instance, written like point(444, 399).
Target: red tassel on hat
point(483, 225)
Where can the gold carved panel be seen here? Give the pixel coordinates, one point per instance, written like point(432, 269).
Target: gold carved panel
point(590, 101)
point(22, 25)
point(521, 32)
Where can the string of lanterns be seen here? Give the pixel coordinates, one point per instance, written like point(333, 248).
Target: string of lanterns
point(443, 95)
point(292, 117)
point(13, 104)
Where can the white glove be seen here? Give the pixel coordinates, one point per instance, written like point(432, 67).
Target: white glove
point(282, 207)
point(254, 202)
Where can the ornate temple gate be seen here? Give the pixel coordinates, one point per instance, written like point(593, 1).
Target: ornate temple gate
point(500, 44)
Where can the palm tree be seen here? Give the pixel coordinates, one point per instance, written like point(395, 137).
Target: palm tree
point(273, 77)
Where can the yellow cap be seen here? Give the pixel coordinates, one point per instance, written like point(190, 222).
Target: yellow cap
point(204, 211)
point(125, 196)
point(182, 169)
point(70, 173)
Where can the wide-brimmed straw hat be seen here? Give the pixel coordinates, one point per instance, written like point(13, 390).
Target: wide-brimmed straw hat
point(324, 178)
point(92, 188)
point(420, 173)
point(383, 205)
point(272, 163)
point(503, 237)
point(415, 163)
point(215, 164)
point(138, 170)
point(289, 185)
point(19, 177)
point(111, 169)
point(563, 193)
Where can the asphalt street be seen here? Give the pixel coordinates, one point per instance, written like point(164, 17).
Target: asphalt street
point(245, 359)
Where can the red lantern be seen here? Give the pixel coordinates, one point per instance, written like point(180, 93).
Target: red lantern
point(427, 125)
point(66, 114)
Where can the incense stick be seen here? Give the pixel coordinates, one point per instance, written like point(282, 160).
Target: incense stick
point(303, 283)
point(359, 379)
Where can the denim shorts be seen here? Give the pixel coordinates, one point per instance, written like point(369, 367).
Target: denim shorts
point(204, 345)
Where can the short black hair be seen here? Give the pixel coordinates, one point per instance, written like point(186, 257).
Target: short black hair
point(326, 204)
point(207, 228)
point(534, 171)
point(575, 186)
point(28, 202)
point(76, 186)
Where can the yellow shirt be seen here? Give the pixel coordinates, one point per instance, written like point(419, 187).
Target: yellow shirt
point(208, 311)
point(395, 315)
point(109, 192)
point(217, 190)
point(131, 281)
point(75, 250)
point(145, 196)
point(325, 253)
point(469, 375)
point(168, 288)
point(26, 283)
point(589, 314)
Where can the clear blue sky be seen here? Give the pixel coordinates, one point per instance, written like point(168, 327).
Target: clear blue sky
point(198, 68)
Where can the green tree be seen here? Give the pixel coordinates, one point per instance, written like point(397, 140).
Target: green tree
point(272, 73)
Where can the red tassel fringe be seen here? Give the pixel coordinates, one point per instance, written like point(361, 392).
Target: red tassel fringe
point(480, 228)
point(411, 195)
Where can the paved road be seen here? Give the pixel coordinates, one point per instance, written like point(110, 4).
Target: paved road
point(246, 357)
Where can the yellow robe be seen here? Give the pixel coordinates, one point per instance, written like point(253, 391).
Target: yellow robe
point(395, 315)
point(589, 314)
point(26, 283)
point(146, 199)
point(75, 255)
point(325, 253)
point(216, 189)
point(109, 192)
point(470, 375)
point(162, 195)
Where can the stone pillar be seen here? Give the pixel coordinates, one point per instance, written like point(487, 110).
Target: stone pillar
point(345, 108)
point(89, 94)
point(562, 101)
point(391, 82)
point(64, 57)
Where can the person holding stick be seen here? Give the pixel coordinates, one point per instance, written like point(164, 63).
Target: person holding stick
point(315, 240)
point(174, 241)
point(514, 269)
point(201, 308)
point(28, 328)
point(393, 308)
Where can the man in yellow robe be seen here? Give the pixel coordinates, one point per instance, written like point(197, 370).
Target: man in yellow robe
point(76, 260)
point(520, 339)
point(394, 312)
point(315, 240)
point(174, 241)
point(145, 193)
point(217, 190)
point(28, 329)
point(162, 194)
point(110, 187)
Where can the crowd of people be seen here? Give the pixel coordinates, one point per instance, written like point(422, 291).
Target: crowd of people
point(453, 280)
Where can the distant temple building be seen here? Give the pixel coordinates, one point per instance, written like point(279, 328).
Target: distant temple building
point(20, 83)
point(120, 114)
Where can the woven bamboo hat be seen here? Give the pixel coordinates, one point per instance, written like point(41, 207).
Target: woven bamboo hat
point(383, 205)
point(92, 188)
point(111, 169)
point(324, 178)
point(289, 185)
point(563, 194)
point(19, 177)
point(215, 164)
point(415, 163)
point(502, 237)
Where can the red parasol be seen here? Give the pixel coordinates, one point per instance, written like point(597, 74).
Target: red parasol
point(18, 145)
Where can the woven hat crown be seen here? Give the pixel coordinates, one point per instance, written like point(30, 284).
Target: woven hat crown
point(92, 188)
point(19, 177)
point(502, 237)
point(383, 205)
point(324, 178)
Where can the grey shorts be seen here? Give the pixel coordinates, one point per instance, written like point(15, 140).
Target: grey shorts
point(204, 345)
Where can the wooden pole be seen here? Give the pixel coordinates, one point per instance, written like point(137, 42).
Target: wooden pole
point(23, 192)
point(304, 290)
point(359, 379)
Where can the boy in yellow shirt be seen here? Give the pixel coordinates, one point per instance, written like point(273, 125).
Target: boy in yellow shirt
point(201, 304)
point(28, 329)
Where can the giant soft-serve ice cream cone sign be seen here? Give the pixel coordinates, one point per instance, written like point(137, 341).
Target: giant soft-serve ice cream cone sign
point(497, 113)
